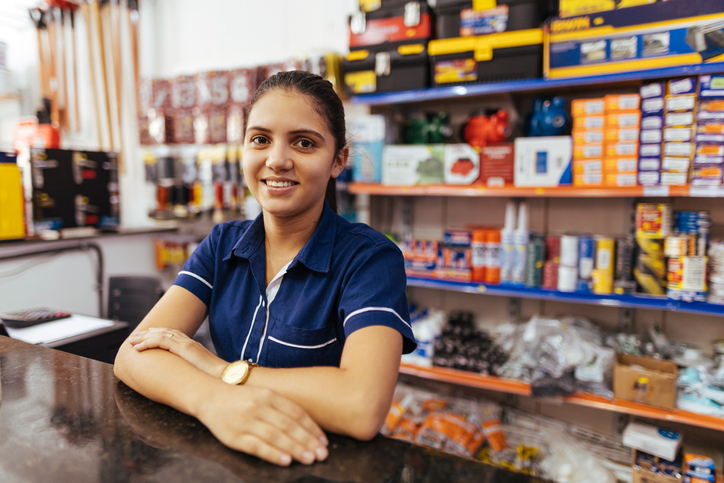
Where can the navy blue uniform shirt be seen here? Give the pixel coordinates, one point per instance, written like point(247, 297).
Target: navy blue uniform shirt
point(346, 277)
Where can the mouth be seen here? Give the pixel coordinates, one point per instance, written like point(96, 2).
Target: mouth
point(279, 184)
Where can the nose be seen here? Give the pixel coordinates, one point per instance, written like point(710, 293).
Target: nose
point(279, 158)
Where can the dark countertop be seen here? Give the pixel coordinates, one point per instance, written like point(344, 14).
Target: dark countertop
point(65, 418)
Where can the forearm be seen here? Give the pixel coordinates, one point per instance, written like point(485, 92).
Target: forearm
point(165, 378)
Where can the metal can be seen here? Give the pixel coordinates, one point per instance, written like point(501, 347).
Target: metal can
point(602, 281)
point(605, 247)
point(653, 220)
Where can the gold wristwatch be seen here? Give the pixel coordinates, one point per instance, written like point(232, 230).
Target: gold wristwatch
point(237, 372)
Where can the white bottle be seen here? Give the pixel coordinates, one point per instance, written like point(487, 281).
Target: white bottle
point(521, 245)
point(507, 244)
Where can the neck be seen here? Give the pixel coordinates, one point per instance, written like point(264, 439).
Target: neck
point(285, 237)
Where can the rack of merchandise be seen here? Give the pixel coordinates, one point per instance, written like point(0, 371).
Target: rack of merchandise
point(588, 400)
point(530, 87)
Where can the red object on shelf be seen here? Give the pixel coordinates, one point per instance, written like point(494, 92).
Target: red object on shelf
point(492, 383)
point(481, 130)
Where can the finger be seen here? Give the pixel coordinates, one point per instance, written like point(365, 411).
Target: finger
point(293, 430)
point(255, 446)
point(155, 340)
point(298, 414)
point(280, 440)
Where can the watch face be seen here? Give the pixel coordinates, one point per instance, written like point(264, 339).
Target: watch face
point(235, 372)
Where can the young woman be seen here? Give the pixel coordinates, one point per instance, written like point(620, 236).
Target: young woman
point(307, 312)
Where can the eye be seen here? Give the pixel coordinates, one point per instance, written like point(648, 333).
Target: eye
point(259, 140)
point(305, 143)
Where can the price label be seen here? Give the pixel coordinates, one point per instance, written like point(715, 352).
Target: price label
point(656, 191)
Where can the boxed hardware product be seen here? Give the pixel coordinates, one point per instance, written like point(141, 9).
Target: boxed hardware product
point(588, 107)
point(571, 8)
point(400, 23)
point(645, 380)
point(653, 440)
point(462, 164)
point(413, 165)
point(463, 18)
point(588, 179)
point(12, 223)
point(594, 122)
point(543, 161)
point(648, 468)
point(621, 165)
point(652, 106)
point(497, 164)
point(381, 70)
point(623, 102)
point(621, 179)
point(487, 58)
point(367, 134)
point(649, 178)
point(710, 86)
point(588, 137)
point(676, 87)
point(652, 36)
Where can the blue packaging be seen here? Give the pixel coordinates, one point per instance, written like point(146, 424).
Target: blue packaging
point(368, 141)
point(676, 87)
point(653, 106)
point(586, 251)
point(649, 178)
point(650, 150)
point(711, 86)
point(652, 122)
point(649, 164)
point(655, 89)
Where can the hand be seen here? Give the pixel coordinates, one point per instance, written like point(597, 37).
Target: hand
point(264, 424)
point(180, 344)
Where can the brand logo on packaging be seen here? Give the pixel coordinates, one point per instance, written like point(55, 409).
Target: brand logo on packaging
point(570, 24)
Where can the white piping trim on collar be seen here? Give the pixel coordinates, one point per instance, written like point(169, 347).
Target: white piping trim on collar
point(184, 272)
point(302, 346)
point(375, 309)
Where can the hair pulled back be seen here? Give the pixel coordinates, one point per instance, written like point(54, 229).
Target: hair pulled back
point(323, 99)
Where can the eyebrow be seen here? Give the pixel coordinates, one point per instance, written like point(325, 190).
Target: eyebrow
point(298, 131)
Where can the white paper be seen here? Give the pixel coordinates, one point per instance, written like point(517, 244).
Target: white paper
point(59, 329)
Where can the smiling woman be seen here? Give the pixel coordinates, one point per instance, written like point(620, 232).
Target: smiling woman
point(307, 312)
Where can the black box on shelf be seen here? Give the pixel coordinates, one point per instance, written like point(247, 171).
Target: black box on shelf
point(487, 58)
point(403, 68)
point(73, 188)
point(461, 18)
point(393, 24)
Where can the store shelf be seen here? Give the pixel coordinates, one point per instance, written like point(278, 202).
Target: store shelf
point(531, 85)
point(611, 300)
point(470, 379)
point(558, 192)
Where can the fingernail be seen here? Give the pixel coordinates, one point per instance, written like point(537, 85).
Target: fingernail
point(132, 340)
point(321, 453)
point(307, 457)
point(285, 460)
point(137, 346)
point(323, 440)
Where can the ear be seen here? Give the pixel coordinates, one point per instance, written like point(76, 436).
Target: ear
point(340, 161)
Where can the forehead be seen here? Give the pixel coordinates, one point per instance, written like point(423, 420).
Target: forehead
point(286, 111)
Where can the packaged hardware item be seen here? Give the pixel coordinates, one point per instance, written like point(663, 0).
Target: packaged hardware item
point(570, 8)
point(622, 135)
point(650, 150)
point(588, 107)
point(623, 120)
point(653, 220)
point(678, 149)
point(648, 468)
point(462, 164)
point(591, 122)
point(588, 151)
point(680, 103)
point(653, 106)
point(588, 179)
point(655, 89)
point(710, 86)
point(587, 166)
point(646, 380)
point(462, 18)
point(543, 161)
point(622, 102)
point(367, 135)
point(497, 164)
point(649, 178)
point(652, 136)
point(652, 122)
point(651, 439)
point(12, 207)
point(621, 179)
point(413, 165)
point(675, 87)
point(588, 137)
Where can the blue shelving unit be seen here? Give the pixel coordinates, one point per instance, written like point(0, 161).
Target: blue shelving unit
point(436, 93)
point(611, 300)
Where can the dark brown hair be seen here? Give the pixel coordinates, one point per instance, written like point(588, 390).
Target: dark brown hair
point(323, 99)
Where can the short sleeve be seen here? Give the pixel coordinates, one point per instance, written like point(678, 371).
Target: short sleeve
point(374, 293)
point(197, 275)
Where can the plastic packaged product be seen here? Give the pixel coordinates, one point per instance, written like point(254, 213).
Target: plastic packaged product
point(507, 241)
point(521, 238)
point(569, 250)
point(567, 278)
point(477, 258)
point(535, 261)
point(492, 256)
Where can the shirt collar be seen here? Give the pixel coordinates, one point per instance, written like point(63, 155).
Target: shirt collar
point(315, 255)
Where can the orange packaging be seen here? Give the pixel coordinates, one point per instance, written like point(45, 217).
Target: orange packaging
point(622, 102)
point(477, 258)
point(590, 136)
point(588, 151)
point(587, 166)
point(710, 150)
point(711, 106)
point(621, 179)
point(447, 430)
point(587, 107)
point(394, 416)
point(492, 251)
point(407, 430)
point(590, 179)
point(623, 120)
point(622, 149)
point(621, 165)
point(494, 434)
point(588, 123)
point(713, 128)
point(626, 135)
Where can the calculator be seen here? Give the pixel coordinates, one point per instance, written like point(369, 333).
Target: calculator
point(27, 318)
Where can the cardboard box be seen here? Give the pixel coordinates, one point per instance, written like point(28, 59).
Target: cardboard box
point(368, 142)
point(462, 164)
point(543, 161)
point(587, 107)
point(413, 164)
point(652, 439)
point(570, 8)
point(622, 149)
point(623, 120)
point(646, 475)
point(682, 103)
point(709, 150)
point(652, 122)
point(626, 135)
point(588, 179)
point(621, 179)
point(649, 164)
point(650, 150)
point(644, 37)
point(655, 89)
point(674, 179)
point(683, 134)
point(652, 136)
point(587, 166)
point(588, 151)
point(712, 105)
point(679, 118)
point(655, 384)
point(653, 106)
point(621, 165)
point(497, 164)
point(649, 178)
point(678, 149)
point(710, 86)
point(588, 123)
point(676, 87)
point(588, 137)
point(674, 164)
point(622, 102)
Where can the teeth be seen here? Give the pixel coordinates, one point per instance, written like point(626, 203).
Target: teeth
point(279, 184)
